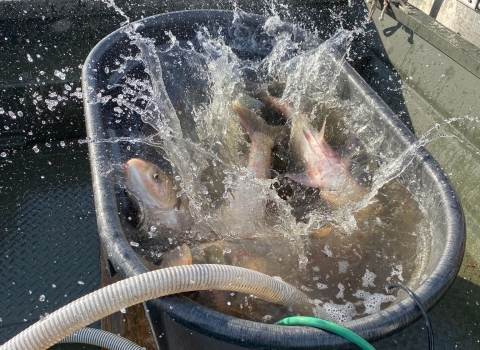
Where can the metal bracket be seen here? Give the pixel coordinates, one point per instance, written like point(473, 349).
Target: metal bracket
point(470, 3)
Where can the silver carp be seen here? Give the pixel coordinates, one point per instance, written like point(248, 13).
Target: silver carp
point(154, 194)
point(324, 168)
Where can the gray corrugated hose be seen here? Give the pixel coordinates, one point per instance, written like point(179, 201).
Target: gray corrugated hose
point(103, 339)
point(94, 306)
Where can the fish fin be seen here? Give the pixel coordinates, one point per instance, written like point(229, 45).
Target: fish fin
point(178, 256)
point(274, 102)
point(313, 138)
point(323, 232)
point(256, 125)
point(303, 179)
point(249, 102)
point(140, 214)
point(320, 136)
point(273, 173)
point(347, 162)
point(264, 97)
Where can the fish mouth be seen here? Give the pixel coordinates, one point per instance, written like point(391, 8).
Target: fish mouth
point(136, 181)
point(132, 172)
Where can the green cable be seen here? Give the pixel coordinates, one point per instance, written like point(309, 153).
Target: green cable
point(326, 326)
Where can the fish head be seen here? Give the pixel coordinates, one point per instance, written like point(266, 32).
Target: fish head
point(150, 185)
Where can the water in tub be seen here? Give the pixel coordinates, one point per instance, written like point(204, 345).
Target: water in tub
point(258, 161)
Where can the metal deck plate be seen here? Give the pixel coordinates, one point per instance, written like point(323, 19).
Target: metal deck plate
point(49, 247)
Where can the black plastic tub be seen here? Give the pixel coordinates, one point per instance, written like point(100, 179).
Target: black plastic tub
point(182, 324)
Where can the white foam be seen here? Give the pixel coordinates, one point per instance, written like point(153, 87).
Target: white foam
point(397, 270)
point(321, 286)
point(342, 266)
point(306, 289)
point(335, 312)
point(368, 278)
point(327, 251)
point(341, 288)
point(372, 302)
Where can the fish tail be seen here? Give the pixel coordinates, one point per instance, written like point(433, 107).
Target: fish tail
point(275, 103)
point(257, 128)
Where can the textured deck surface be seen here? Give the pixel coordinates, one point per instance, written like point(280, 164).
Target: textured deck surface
point(49, 246)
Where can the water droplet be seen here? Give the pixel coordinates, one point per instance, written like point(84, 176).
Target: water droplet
point(29, 58)
point(51, 104)
point(36, 149)
point(123, 310)
point(81, 283)
point(42, 298)
point(62, 143)
point(134, 244)
point(59, 74)
point(3, 154)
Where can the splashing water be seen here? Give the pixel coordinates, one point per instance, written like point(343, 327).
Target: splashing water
point(183, 92)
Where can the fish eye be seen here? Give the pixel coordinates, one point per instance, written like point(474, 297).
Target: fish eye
point(156, 176)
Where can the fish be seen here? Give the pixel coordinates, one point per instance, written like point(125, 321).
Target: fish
point(179, 256)
point(155, 196)
point(263, 139)
point(244, 210)
point(324, 168)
